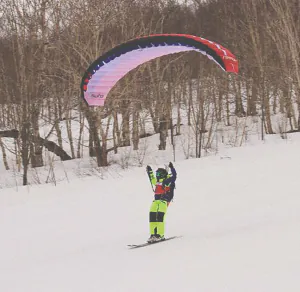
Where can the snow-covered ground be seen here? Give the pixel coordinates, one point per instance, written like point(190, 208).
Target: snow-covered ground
point(238, 212)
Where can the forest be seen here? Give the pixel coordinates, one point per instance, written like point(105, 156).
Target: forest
point(46, 46)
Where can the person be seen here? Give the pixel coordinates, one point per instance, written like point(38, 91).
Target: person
point(164, 185)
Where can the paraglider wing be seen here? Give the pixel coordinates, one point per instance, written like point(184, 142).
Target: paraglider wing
point(105, 72)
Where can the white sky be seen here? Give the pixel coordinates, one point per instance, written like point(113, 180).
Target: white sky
point(238, 212)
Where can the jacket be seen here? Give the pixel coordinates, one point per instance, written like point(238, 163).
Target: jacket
point(164, 188)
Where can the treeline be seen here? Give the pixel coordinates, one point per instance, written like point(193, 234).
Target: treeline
point(46, 45)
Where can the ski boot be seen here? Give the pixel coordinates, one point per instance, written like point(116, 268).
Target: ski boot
point(152, 238)
point(155, 238)
point(161, 238)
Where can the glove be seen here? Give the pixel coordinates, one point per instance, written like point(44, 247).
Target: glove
point(171, 165)
point(148, 168)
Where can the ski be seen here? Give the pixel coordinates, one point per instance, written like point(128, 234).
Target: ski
point(131, 246)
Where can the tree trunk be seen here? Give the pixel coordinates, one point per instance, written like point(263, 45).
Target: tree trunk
point(25, 132)
point(135, 130)
point(163, 132)
point(80, 137)
point(252, 100)
point(96, 141)
point(104, 152)
point(70, 135)
point(220, 102)
point(36, 150)
point(116, 133)
point(125, 127)
point(239, 108)
point(4, 154)
point(56, 125)
point(190, 102)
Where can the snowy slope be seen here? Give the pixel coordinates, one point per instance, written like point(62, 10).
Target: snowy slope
point(239, 216)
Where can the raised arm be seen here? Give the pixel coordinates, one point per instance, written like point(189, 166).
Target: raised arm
point(172, 178)
point(151, 175)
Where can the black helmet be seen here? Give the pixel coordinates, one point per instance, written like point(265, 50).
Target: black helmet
point(161, 173)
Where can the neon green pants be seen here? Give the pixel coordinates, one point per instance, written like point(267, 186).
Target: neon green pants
point(157, 214)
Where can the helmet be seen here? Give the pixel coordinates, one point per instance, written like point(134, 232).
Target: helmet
point(161, 173)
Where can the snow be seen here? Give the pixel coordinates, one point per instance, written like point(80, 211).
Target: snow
point(238, 212)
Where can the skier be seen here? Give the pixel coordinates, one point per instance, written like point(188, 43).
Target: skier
point(164, 184)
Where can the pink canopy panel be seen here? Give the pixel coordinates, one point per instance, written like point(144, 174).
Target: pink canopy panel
point(108, 69)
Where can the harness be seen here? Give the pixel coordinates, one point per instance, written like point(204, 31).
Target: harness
point(160, 189)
